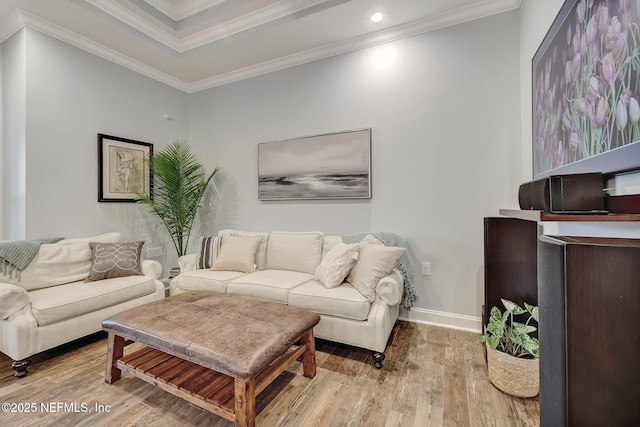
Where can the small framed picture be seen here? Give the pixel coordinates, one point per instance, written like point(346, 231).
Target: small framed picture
point(123, 169)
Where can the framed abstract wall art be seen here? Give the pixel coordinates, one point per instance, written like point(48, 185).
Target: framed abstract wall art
point(328, 166)
point(123, 168)
point(586, 90)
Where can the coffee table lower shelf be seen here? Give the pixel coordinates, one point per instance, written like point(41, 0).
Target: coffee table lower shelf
point(218, 393)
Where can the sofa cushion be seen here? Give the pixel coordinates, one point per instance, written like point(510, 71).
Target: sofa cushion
point(328, 242)
point(209, 247)
point(269, 285)
point(205, 280)
point(336, 264)
point(237, 253)
point(294, 251)
point(341, 301)
point(110, 260)
point(57, 303)
point(375, 262)
point(65, 261)
point(262, 249)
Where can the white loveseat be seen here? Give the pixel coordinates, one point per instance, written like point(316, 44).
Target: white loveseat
point(49, 303)
point(284, 271)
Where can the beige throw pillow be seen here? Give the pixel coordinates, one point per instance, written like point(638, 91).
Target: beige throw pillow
point(294, 251)
point(237, 253)
point(375, 262)
point(109, 260)
point(336, 264)
point(262, 248)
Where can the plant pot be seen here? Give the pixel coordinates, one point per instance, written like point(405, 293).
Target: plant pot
point(513, 375)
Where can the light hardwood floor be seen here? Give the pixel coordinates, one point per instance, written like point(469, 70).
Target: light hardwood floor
point(432, 377)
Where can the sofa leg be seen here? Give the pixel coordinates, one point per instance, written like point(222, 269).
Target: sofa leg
point(20, 366)
point(378, 358)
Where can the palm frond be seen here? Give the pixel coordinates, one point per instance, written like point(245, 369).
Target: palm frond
point(179, 183)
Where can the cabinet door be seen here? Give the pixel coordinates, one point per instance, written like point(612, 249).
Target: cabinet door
point(603, 345)
point(589, 340)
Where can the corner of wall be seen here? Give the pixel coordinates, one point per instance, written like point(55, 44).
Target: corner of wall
point(13, 137)
point(1, 141)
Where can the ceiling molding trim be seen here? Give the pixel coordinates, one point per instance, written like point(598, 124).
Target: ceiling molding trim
point(245, 22)
point(10, 25)
point(185, 10)
point(62, 34)
point(450, 18)
point(166, 36)
point(22, 19)
point(172, 38)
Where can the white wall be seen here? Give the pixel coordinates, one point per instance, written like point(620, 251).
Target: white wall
point(444, 111)
point(1, 139)
point(71, 96)
point(13, 137)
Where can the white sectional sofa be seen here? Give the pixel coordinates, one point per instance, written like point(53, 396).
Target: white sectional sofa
point(284, 271)
point(49, 303)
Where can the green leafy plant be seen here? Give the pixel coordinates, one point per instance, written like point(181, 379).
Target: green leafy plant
point(179, 184)
point(505, 334)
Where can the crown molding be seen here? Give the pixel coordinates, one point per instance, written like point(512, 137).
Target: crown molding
point(9, 25)
point(442, 20)
point(247, 22)
point(179, 43)
point(35, 23)
point(184, 10)
point(166, 36)
point(21, 19)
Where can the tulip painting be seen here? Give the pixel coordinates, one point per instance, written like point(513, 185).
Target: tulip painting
point(586, 83)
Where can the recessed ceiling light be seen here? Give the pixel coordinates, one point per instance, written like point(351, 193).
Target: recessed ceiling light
point(377, 17)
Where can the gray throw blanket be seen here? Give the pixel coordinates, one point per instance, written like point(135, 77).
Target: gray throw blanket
point(15, 255)
point(403, 265)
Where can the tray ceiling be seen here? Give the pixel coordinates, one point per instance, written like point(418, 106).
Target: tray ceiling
point(197, 44)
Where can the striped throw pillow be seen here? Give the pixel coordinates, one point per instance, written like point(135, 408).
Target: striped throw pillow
point(209, 247)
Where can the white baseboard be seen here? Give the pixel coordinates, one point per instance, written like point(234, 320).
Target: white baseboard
point(441, 318)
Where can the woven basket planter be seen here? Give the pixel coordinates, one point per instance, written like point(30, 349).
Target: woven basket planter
point(513, 375)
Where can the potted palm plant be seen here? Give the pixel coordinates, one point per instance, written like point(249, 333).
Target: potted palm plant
point(512, 353)
point(179, 183)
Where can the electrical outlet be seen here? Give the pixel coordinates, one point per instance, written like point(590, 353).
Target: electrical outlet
point(154, 252)
point(426, 269)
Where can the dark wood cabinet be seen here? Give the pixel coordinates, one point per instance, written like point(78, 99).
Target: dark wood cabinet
point(510, 254)
point(589, 298)
point(588, 293)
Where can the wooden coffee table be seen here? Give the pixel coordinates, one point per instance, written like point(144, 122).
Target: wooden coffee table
point(214, 350)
